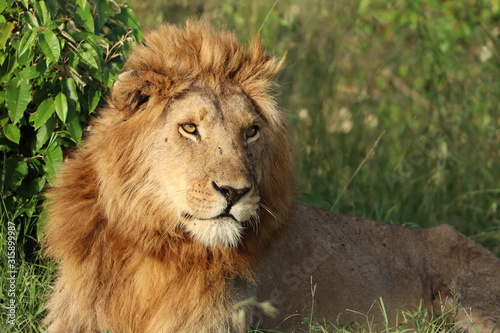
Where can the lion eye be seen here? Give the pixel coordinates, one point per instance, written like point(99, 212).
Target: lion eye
point(251, 132)
point(189, 128)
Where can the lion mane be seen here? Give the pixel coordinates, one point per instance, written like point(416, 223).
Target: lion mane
point(178, 207)
point(125, 262)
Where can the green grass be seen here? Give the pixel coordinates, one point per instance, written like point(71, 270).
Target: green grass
point(30, 276)
point(394, 107)
point(422, 320)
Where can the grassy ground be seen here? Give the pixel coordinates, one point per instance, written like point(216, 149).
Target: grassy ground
point(394, 107)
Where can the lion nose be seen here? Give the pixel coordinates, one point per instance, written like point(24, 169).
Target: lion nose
point(231, 194)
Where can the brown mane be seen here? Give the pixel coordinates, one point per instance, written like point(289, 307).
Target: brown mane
point(200, 55)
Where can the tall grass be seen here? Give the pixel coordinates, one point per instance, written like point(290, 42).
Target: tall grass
point(24, 282)
point(421, 319)
point(424, 73)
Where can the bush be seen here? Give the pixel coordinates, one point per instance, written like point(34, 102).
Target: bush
point(58, 59)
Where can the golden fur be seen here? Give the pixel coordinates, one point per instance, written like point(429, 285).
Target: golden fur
point(173, 208)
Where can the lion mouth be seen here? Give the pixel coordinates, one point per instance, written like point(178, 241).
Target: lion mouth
point(188, 216)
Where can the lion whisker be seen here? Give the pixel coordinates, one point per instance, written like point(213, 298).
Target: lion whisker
point(267, 209)
point(254, 222)
point(183, 191)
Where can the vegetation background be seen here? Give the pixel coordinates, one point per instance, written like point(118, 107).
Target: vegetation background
point(394, 106)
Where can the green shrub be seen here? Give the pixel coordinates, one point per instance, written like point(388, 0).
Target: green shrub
point(58, 59)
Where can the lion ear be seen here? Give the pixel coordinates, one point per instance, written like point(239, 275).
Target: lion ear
point(128, 93)
point(135, 89)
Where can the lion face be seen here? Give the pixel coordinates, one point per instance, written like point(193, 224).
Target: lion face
point(214, 142)
point(197, 146)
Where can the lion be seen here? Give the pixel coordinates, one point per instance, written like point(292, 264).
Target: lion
point(179, 205)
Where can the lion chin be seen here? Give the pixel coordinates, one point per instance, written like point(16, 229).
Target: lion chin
point(178, 207)
point(225, 229)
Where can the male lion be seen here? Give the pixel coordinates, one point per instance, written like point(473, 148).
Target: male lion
point(179, 205)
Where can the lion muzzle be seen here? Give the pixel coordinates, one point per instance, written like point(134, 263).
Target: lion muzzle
point(231, 194)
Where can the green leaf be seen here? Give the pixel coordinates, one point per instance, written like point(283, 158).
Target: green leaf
point(61, 106)
point(127, 17)
point(32, 72)
point(27, 41)
point(69, 88)
point(7, 69)
point(5, 32)
point(110, 77)
point(25, 60)
point(43, 113)
point(70, 72)
point(95, 46)
point(82, 3)
point(89, 58)
point(53, 157)
point(83, 16)
point(31, 188)
point(3, 56)
point(53, 8)
point(94, 96)
point(44, 133)
point(3, 5)
point(49, 44)
point(75, 128)
point(30, 18)
point(15, 171)
point(25, 3)
point(12, 132)
point(103, 12)
point(17, 96)
point(42, 13)
point(72, 122)
point(4, 119)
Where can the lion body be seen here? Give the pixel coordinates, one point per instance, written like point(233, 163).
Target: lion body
point(173, 209)
point(343, 266)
